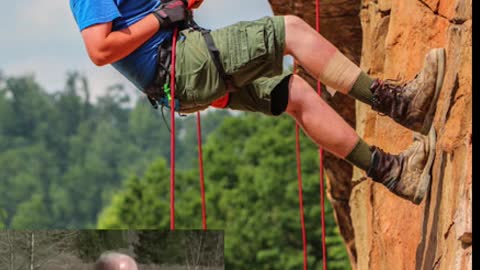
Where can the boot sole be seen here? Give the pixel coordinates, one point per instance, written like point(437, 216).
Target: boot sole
point(428, 121)
point(424, 182)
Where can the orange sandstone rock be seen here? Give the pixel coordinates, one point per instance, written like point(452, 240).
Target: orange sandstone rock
point(382, 231)
point(436, 234)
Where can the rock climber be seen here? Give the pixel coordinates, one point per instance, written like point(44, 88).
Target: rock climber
point(115, 261)
point(239, 67)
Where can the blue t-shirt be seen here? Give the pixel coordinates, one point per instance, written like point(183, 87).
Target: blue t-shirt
point(140, 66)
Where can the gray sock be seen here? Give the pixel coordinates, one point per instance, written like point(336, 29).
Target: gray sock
point(361, 89)
point(361, 155)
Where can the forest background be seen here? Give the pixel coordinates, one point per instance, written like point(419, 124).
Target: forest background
point(67, 162)
point(78, 153)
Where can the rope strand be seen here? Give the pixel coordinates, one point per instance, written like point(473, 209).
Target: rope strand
point(202, 178)
point(300, 190)
point(172, 133)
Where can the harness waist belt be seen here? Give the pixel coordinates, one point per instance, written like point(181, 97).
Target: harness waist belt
point(156, 92)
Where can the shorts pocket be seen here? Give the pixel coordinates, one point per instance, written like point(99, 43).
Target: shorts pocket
point(247, 46)
point(194, 71)
point(203, 85)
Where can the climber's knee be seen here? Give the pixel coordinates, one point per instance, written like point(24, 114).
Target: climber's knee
point(301, 95)
point(293, 21)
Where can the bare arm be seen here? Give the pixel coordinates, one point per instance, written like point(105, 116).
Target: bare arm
point(105, 47)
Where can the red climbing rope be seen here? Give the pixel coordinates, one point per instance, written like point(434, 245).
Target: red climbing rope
point(322, 181)
point(320, 153)
point(172, 132)
point(202, 178)
point(322, 204)
point(300, 191)
point(191, 3)
point(172, 147)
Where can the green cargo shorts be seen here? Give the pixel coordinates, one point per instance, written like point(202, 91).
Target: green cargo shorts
point(251, 53)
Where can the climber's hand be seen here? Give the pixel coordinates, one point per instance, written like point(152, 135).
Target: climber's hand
point(171, 13)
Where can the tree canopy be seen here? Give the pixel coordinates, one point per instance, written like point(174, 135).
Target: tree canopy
point(69, 162)
point(63, 156)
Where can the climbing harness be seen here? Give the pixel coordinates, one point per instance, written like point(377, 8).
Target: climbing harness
point(164, 80)
point(159, 92)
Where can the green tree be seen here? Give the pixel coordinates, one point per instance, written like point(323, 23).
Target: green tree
point(66, 156)
point(27, 101)
point(3, 217)
point(140, 197)
point(19, 169)
point(32, 214)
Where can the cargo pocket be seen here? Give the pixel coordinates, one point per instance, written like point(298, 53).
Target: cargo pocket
point(199, 81)
point(247, 47)
point(195, 81)
point(204, 84)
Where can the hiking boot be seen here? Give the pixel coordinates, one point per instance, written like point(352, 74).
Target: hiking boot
point(412, 104)
point(407, 174)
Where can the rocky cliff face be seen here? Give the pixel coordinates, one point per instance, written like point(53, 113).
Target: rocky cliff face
point(392, 233)
point(382, 231)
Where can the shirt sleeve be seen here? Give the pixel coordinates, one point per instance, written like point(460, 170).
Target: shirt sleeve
point(91, 12)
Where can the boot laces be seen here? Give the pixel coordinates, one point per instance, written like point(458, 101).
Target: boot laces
point(394, 88)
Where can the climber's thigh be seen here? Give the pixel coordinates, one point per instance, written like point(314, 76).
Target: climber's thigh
point(248, 51)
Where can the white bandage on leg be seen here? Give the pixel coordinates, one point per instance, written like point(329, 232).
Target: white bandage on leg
point(340, 73)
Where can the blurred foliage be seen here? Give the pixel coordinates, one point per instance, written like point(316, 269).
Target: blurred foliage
point(62, 157)
point(68, 162)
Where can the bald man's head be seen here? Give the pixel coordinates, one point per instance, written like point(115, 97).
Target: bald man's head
point(115, 261)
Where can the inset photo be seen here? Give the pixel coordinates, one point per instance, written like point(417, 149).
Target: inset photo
point(111, 250)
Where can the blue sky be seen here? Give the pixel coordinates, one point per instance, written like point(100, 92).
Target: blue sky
point(40, 37)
